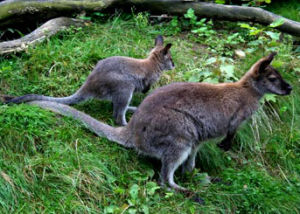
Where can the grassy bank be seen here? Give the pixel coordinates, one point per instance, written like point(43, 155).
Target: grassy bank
point(51, 163)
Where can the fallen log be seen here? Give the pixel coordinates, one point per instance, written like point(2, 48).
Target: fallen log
point(25, 11)
point(48, 29)
point(12, 11)
point(218, 11)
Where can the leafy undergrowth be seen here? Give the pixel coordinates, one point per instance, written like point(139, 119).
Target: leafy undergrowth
point(50, 163)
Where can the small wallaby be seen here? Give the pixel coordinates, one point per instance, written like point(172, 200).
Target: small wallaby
point(116, 78)
point(174, 120)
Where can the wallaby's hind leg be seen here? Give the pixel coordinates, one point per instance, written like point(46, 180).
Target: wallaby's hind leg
point(121, 101)
point(189, 164)
point(171, 160)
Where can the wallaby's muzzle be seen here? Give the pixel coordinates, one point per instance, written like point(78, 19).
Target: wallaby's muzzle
point(288, 89)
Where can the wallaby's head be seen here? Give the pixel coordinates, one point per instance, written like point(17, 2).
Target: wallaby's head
point(162, 54)
point(267, 79)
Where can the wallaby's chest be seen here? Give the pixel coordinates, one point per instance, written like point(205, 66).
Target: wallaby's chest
point(217, 119)
point(144, 83)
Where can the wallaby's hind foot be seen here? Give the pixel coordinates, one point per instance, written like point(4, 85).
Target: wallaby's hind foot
point(119, 112)
point(171, 160)
point(121, 100)
point(189, 164)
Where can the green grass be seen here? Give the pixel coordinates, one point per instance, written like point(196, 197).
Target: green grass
point(289, 8)
point(51, 163)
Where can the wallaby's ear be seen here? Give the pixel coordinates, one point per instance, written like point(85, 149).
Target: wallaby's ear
point(261, 65)
point(159, 41)
point(166, 49)
point(267, 61)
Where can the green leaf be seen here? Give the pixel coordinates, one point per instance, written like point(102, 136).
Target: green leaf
point(132, 211)
point(150, 173)
point(270, 98)
point(98, 14)
point(228, 70)
point(244, 25)
point(211, 60)
point(145, 209)
point(169, 194)
point(134, 191)
point(206, 74)
point(220, 1)
point(200, 30)
point(151, 187)
point(277, 23)
point(203, 178)
point(110, 209)
point(10, 30)
point(273, 35)
point(255, 32)
point(138, 176)
point(189, 14)
point(85, 18)
point(211, 80)
point(193, 79)
point(283, 109)
point(201, 22)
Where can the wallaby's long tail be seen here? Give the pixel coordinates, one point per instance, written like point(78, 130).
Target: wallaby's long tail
point(5, 98)
point(118, 135)
point(73, 99)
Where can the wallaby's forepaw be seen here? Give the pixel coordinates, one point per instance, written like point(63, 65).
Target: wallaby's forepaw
point(224, 146)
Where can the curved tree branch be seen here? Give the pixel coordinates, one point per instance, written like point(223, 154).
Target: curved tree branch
point(16, 11)
point(46, 30)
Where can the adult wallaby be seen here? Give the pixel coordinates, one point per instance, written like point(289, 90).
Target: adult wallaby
point(174, 120)
point(116, 78)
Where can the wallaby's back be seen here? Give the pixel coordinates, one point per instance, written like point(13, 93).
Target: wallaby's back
point(196, 111)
